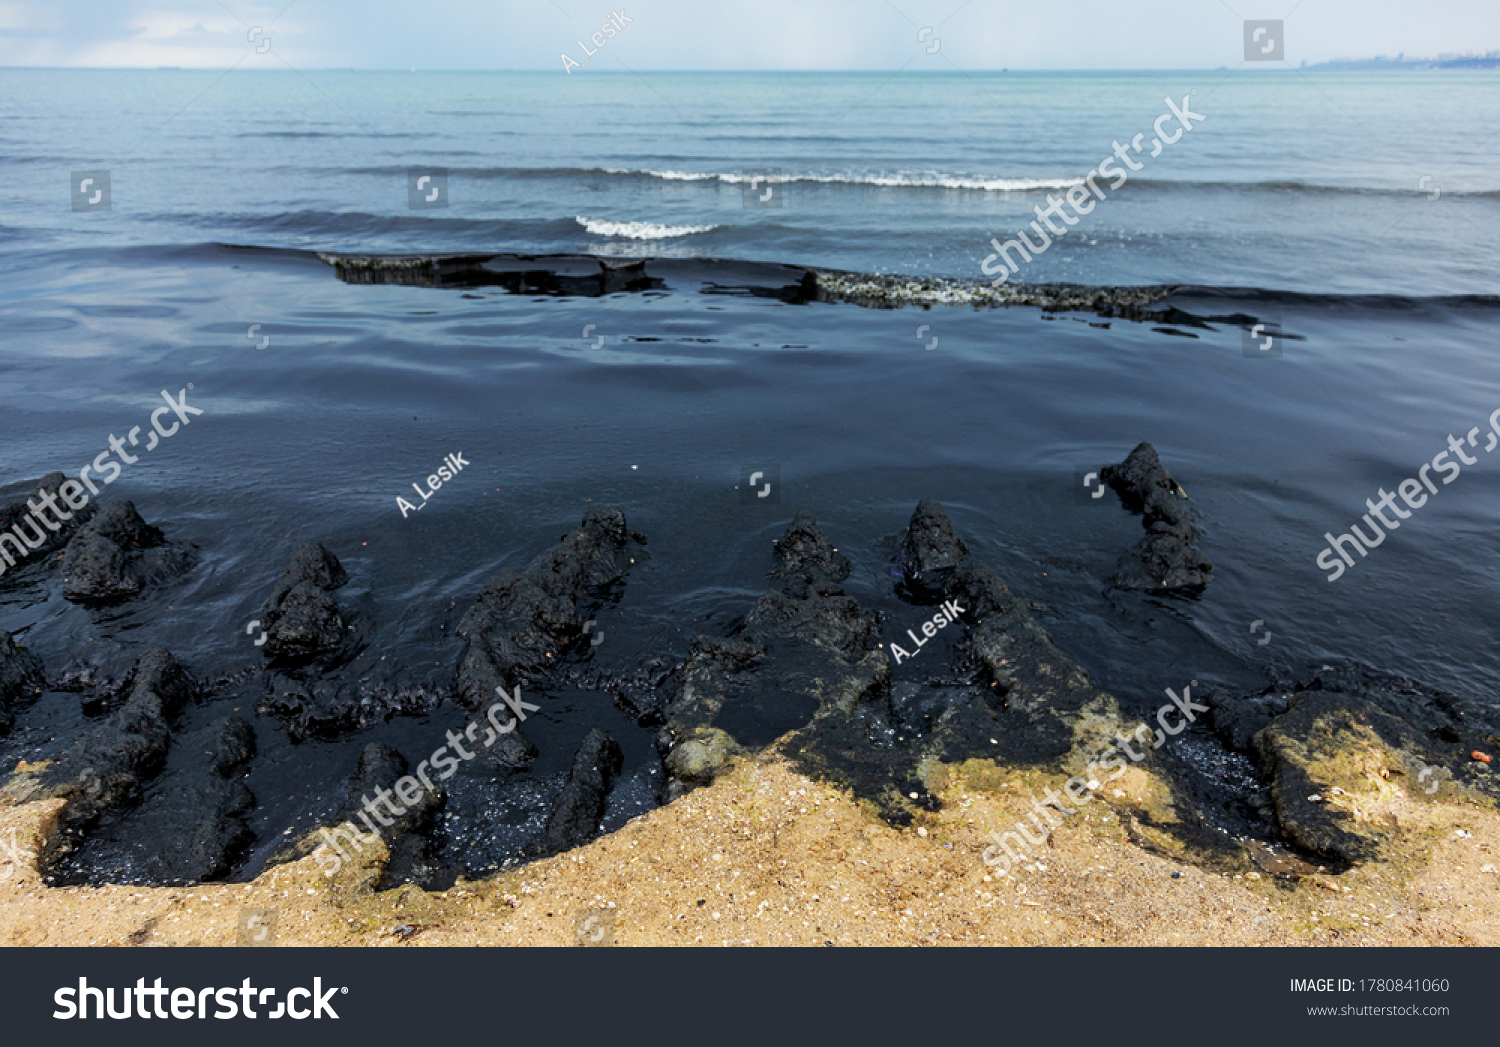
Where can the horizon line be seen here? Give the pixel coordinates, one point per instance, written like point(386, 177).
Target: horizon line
point(1257, 67)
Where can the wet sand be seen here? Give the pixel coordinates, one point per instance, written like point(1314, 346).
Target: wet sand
point(766, 856)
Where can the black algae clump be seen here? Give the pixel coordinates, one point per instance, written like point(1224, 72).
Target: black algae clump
point(1167, 557)
point(192, 828)
point(118, 554)
point(1347, 727)
point(522, 624)
point(21, 679)
point(23, 539)
point(575, 815)
point(109, 768)
point(805, 643)
point(931, 554)
point(301, 617)
point(1014, 697)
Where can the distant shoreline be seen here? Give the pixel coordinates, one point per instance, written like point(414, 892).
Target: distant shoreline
point(1491, 60)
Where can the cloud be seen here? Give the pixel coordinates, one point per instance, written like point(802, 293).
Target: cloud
point(689, 34)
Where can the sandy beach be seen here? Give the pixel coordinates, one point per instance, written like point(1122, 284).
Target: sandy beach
point(765, 856)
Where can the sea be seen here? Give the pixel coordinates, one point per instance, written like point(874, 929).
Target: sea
point(602, 304)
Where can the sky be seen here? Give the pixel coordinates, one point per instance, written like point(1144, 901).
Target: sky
point(711, 34)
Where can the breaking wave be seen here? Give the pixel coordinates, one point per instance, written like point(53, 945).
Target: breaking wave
point(897, 181)
point(640, 230)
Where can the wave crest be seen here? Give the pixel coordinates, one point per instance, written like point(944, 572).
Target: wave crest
point(898, 181)
point(639, 230)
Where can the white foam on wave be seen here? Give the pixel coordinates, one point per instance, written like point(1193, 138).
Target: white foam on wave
point(888, 292)
point(639, 230)
point(670, 176)
point(897, 181)
point(989, 185)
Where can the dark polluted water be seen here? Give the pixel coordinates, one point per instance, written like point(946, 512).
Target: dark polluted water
point(662, 388)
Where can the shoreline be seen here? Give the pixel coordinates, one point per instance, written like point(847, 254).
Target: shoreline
point(1342, 758)
point(768, 856)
